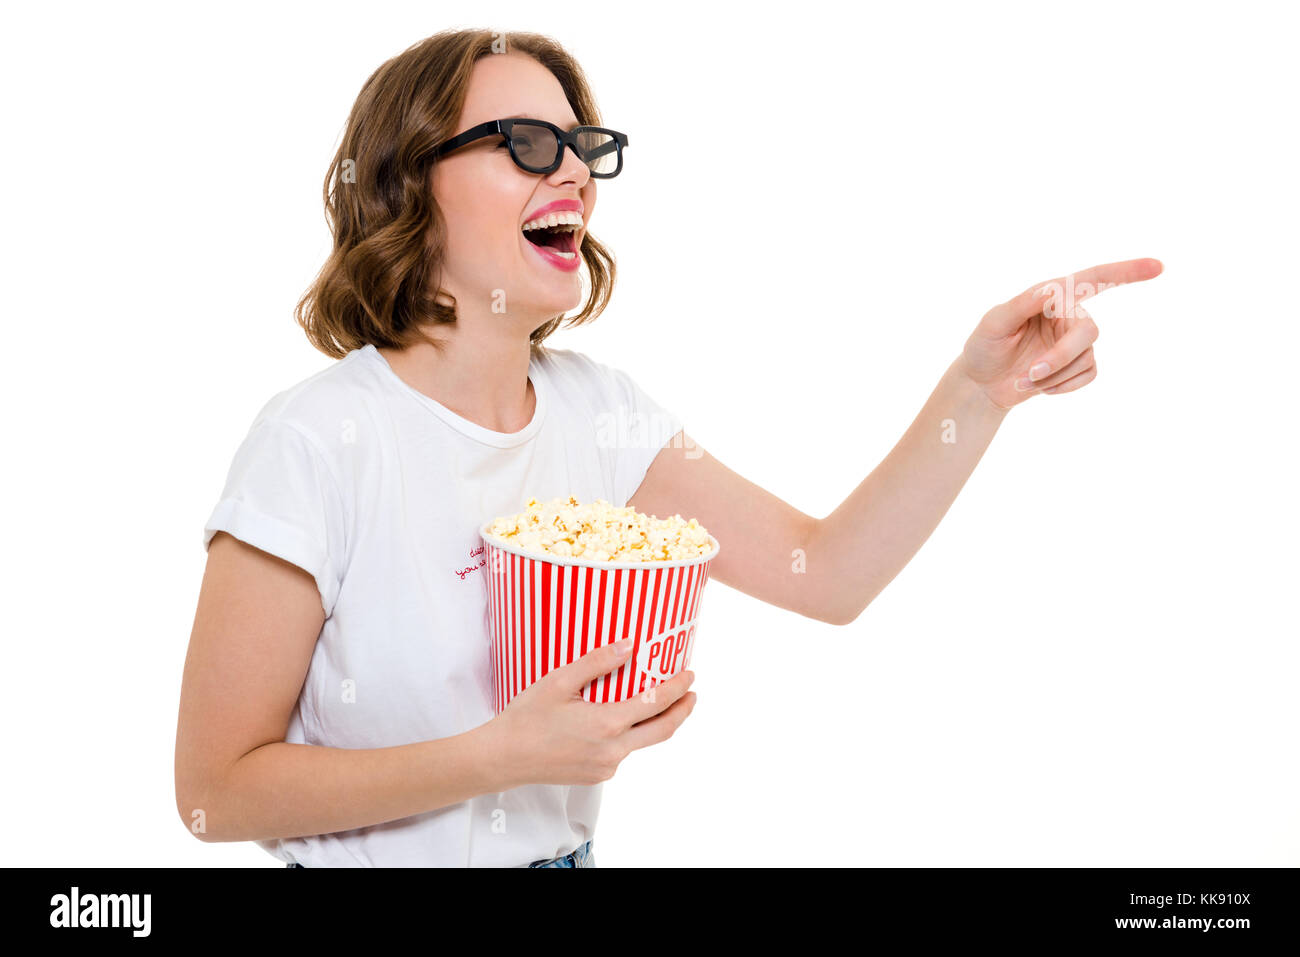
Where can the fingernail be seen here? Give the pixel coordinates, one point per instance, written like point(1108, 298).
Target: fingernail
point(1038, 370)
point(623, 647)
point(1022, 385)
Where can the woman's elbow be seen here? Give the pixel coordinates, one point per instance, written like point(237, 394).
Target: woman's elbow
point(194, 818)
point(839, 614)
point(197, 808)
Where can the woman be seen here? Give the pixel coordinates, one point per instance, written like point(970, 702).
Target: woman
point(342, 602)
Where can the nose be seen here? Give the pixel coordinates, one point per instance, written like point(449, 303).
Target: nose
point(571, 170)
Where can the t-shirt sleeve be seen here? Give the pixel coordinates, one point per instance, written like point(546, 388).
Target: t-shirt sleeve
point(650, 426)
point(281, 497)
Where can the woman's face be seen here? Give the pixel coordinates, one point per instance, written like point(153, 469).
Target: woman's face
point(486, 199)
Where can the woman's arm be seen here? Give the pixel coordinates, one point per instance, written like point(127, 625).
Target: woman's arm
point(1039, 341)
point(237, 779)
point(830, 569)
point(862, 546)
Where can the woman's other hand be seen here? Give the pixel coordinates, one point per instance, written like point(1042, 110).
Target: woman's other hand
point(550, 734)
point(1041, 341)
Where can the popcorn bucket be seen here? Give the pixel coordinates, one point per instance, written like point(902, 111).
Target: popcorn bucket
point(545, 612)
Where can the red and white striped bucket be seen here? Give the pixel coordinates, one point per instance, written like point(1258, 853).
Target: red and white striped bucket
point(544, 613)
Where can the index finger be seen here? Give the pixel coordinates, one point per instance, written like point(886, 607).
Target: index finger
point(1086, 283)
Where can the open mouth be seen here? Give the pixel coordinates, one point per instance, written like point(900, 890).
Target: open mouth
point(559, 239)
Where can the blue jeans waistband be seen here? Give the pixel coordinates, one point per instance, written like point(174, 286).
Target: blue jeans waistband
point(581, 856)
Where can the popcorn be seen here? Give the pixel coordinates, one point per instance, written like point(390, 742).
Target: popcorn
point(551, 565)
point(601, 532)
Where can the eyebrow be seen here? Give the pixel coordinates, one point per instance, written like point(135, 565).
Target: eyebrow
point(529, 116)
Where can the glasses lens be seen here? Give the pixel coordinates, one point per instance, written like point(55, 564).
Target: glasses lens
point(534, 145)
point(599, 150)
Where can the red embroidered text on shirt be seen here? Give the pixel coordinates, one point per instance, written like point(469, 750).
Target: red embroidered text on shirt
point(462, 572)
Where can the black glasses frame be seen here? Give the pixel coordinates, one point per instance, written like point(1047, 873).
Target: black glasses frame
point(562, 139)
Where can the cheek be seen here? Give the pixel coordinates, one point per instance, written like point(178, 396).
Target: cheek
point(482, 211)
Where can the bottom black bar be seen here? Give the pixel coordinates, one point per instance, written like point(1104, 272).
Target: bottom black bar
point(1237, 908)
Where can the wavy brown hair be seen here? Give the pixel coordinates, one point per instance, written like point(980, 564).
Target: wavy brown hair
point(379, 284)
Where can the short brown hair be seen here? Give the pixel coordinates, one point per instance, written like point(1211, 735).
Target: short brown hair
point(378, 284)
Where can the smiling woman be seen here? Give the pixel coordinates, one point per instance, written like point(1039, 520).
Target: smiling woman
point(340, 599)
point(411, 160)
point(344, 597)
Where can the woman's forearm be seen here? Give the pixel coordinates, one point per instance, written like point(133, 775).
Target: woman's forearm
point(283, 790)
point(860, 547)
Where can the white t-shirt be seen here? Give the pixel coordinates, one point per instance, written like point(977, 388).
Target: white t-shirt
point(378, 491)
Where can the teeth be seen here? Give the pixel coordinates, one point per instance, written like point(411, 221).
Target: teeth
point(567, 218)
point(556, 252)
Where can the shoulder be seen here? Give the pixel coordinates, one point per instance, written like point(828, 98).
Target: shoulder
point(570, 369)
point(321, 407)
point(610, 398)
point(567, 361)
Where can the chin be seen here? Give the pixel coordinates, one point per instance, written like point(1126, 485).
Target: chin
point(554, 305)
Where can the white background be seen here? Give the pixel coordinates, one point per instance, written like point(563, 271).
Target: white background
point(1093, 661)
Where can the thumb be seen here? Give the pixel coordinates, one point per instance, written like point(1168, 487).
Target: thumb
point(572, 678)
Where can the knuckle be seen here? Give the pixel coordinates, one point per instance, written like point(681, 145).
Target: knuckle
point(611, 724)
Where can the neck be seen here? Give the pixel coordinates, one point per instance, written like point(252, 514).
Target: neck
point(480, 373)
